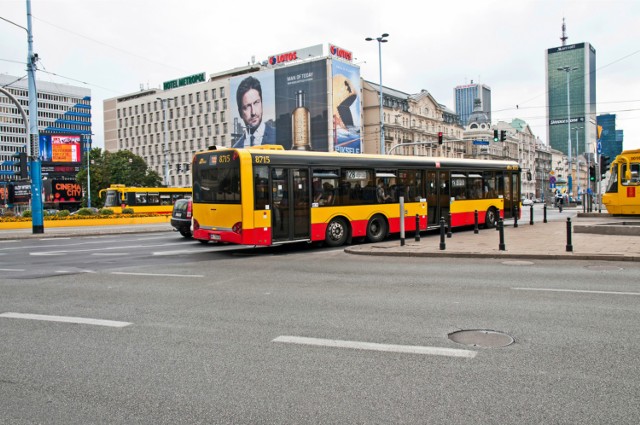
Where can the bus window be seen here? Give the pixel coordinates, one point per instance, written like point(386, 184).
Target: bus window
point(475, 186)
point(410, 184)
point(386, 186)
point(352, 184)
point(324, 183)
point(633, 167)
point(261, 189)
point(489, 184)
point(458, 185)
point(153, 198)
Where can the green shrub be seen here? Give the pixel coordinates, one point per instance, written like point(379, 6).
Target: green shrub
point(26, 213)
point(106, 211)
point(127, 211)
point(63, 213)
point(85, 211)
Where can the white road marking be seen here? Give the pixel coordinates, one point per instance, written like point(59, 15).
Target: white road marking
point(579, 291)
point(358, 345)
point(9, 240)
point(104, 254)
point(12, 270)
point(52, 239)
point(37, 254)
point(158, 274)
point(67, 319)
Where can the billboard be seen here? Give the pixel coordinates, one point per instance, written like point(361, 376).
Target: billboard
point(346, 107)
point(60, 148)
point(285, 106)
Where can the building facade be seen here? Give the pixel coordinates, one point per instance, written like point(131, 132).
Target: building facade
point(571, 98)
point(611, 139)
point(465, 97)
point(64, 125)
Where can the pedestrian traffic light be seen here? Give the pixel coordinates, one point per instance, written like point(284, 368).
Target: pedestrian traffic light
point(20, 165)
point(503, 135)
point(440, 137)
point(496, 138)
point(592, 173)
point(604, 165)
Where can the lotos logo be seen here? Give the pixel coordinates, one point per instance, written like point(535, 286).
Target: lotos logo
point(284, 57)
point(341, 53)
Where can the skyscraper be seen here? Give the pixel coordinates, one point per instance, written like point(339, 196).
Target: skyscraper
point(465, 97)
point(571, 98)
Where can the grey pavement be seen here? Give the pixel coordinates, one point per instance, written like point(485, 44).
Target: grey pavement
point(594, 236)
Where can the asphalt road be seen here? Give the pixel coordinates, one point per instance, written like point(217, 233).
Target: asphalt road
point(206, 334)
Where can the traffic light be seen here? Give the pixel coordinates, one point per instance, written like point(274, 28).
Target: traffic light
point(496, 138)
point(592, 173)
point(440, 137)
point(503, 135)
point(20, 165)
point(604, 165)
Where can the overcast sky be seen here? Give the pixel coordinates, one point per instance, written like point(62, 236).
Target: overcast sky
point(115, 46)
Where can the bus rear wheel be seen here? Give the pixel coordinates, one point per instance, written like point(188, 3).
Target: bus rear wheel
point(377, 229)
point(337, 232)
point(491, 218)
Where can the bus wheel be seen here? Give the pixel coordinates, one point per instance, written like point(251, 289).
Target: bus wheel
point(203, 242)
point(491, 218)
point(337, 232)
point(377, 229)
point(185, 233)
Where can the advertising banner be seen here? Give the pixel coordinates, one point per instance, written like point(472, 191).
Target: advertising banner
point(62, 191)
point(60, 148)
point(346, 108)
point(285, 106)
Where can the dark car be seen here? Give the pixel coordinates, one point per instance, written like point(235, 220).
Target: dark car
point(181, 217)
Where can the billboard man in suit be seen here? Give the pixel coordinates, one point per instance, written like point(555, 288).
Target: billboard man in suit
point(249, 100)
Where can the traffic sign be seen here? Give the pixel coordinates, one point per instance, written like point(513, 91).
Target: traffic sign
point(552, 180)
point(599, 147)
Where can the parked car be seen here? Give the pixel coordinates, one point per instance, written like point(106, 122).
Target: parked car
point(181, 217)
point(527, 202)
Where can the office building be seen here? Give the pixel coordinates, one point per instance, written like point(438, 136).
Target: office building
point(571, 98)
point(610, 138)
point(465, 101)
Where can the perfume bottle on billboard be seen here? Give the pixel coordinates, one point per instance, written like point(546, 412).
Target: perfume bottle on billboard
point(301, 124)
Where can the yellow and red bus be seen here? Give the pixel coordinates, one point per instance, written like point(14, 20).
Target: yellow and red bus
point(154, 200)
point(266, 195)
point(622, 196)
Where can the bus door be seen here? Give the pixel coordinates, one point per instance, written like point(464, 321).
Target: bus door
point(437, 196)
point(511, 193)
point(290, 200)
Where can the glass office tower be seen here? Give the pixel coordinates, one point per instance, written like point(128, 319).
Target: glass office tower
point(465, 97)
point(571, 116)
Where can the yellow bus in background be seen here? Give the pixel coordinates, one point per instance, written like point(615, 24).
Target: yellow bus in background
point(622, 196)
point(266, 195)
point(154, 200)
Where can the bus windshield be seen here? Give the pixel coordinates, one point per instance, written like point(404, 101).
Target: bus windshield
point(218, 179)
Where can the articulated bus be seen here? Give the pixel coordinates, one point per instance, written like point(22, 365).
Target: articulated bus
point(267, 196)
point(155, 200)
point(622, 196)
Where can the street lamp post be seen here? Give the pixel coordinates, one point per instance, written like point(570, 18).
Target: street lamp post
point(164, 130)
point(568, 69)
point(380, 40)
point(87, 148)
point(577, 158)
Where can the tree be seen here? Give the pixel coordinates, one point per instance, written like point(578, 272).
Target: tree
point(121, 167)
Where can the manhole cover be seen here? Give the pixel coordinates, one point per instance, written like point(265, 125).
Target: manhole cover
point(481, 338)
point(603, 268)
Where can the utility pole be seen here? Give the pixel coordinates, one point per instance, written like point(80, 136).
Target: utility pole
point(33, 149)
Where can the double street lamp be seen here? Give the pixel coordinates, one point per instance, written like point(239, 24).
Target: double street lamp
point(380, 40)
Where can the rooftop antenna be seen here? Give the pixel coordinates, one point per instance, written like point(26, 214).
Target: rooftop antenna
point(564, 33)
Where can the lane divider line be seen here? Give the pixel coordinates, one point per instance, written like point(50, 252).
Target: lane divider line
point(577, 291)
point(66, 319)
point(358, 345)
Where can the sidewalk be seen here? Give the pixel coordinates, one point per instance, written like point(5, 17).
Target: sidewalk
point(538, 241)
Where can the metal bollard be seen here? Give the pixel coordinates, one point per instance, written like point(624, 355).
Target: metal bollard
point(501, 246)
point(442, 244)
point(569, 244)
point(531, 215)
point(544, 211)
point(417, 235)
point(402, 221)
point(475, 221)
point(515, 217)
point(449, 227)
